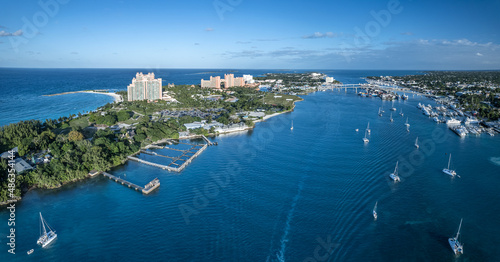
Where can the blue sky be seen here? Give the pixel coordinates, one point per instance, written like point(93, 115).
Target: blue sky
point(405, 34)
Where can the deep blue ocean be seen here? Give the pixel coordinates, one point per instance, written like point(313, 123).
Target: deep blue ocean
point(270, 194)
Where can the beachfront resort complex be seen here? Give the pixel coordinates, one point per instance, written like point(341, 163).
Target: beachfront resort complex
point(145, 87)
point(228, 81)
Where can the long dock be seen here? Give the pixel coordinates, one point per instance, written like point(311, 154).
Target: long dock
point(206, 140)
point(151, 163)
point(148, 188)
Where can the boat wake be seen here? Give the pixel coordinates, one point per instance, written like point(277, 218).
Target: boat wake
point(495, 160)
point(280, 255)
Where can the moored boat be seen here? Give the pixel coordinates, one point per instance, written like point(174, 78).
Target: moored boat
point(394, 176)
point(455, 244)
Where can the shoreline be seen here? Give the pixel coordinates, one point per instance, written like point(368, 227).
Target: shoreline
point(117, 98)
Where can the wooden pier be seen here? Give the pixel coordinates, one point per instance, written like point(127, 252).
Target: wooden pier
point(173, 166)
point(148, 188)
point(206, 140)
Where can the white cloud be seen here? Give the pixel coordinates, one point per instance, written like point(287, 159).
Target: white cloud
point(209, 29)
point(17, 33)
point(320, 35)
point(479, 54)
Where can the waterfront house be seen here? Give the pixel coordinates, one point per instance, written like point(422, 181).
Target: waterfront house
point(20, 166)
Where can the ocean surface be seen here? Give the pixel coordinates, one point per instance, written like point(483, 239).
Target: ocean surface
point(275, 194)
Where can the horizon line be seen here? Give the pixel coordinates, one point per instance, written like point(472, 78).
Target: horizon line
point(281, 69)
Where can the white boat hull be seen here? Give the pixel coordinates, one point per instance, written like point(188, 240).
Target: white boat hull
point(449, 172)
point(395, 177)
point(456, 246)
point(47, 239)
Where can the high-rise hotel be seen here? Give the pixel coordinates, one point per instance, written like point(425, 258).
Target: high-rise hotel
point(228, 81)
point(144, 87)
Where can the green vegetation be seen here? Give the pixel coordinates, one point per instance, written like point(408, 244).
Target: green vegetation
point(77, 148)
point(295, 79)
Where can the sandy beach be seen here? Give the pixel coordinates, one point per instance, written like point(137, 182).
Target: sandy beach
point(118, 98)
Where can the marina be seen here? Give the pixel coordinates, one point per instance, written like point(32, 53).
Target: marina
point(177, 163)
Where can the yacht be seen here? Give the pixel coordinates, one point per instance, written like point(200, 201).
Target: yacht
point(394, 176)
point(392, 120)
point(455, 245)
point(448, 171)
point(368, 128)
point(416, 143)
point(407, 124)
point(46, 237)
point(375, 211)
point(401, 112)
point(453, 121)
point(365, 139)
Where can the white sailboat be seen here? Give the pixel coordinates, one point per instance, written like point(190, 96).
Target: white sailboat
point(455, 244)
point(365, 139)
point(45, 237)
point(407, 124)
point(379, 112)
point(375, 211)
point(291, 128)
point(393, 108)
point(392, 120)
point(416, 143)
point(368, 128)
point(448, 171)
point(394, 176)
point(401, 112)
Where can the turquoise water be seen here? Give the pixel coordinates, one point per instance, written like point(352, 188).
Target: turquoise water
point(273, 194)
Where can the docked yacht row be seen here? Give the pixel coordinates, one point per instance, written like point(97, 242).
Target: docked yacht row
point(460, 123)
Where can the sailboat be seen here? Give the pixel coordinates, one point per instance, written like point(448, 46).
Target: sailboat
point(291, 128)
point(401, 112)
point(394, 176)
point(454, 243)
point(416, 143)
point(407, 124)
point(45, 237)
point(393, 108)
point(392, 120)
point(365, 139)
point(368, 128)
point(448, 171)
point(375, 211)
point(379, 112)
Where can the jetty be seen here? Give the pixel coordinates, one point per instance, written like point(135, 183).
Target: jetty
point(148, 188)
point(186, 157)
